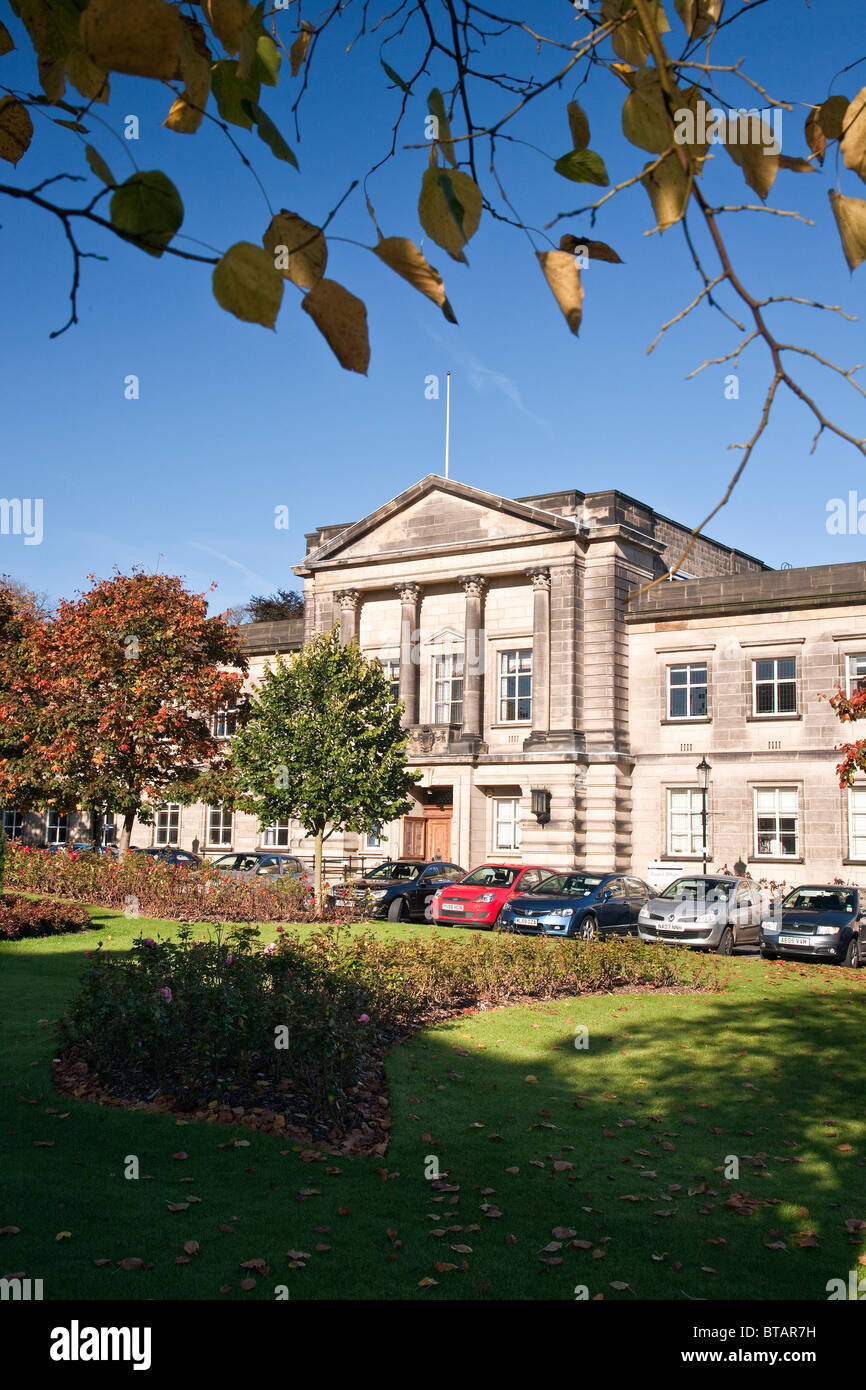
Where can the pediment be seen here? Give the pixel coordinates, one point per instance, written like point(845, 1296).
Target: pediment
point(438, 513)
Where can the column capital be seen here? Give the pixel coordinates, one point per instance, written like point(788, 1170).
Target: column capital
point(474, 584)
point(540, 576)
point(409, 592)
point(347, 599)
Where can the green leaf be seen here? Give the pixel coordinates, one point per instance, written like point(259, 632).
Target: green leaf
point(231, 92)
point(831, 116)
point(449, 209)
point(395, 77)
point(578, 124)
point(6, 42)
point(16, 129)
point(99, 166)
point(246, 284)
point(583, 166)
point(269, 133)
point(149, 209)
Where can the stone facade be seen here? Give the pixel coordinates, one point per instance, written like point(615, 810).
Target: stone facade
point(526, 665)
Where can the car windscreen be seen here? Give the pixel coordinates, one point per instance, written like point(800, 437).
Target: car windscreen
point(821, 900)
point(236, 861)
point(396, 870)
point(568, 885)
point(698, 890)
point(490, 876)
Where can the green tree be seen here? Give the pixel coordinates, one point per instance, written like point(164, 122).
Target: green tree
point(323, 745)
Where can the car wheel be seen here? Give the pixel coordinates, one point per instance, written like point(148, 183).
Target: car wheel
point(589, 927)
point(428, 910)
point(397, 910)
point(852, 955)
point(726, 943)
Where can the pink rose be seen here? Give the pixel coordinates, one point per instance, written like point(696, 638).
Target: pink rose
point(229, 960)
point(365, 1018)
point(166, 994)
point(270, 948)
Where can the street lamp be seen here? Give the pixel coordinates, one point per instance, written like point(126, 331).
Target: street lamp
point(703, 771)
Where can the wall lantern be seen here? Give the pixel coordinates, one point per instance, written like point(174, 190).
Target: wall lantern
point(541, 805)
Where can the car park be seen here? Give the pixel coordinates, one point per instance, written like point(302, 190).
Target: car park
point(479, 897)
point(818, 922)
point(259, 864)
point(710, 912)
point(401, 890)
point(580, 904)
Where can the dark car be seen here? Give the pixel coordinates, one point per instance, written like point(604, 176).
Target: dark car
point(400, 889)
point(824, 922)
point(712, 912)
point(167, 854)
point(579, 904)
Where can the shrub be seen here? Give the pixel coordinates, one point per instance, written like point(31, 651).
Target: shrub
point(140, 886)
point(200, 1019)
point(20, 917)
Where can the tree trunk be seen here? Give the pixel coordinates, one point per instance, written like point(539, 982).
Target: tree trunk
point(95, 827)
point(317, 870)
point(125, 832)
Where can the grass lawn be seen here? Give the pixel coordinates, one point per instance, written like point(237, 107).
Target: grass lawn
point(641, 1123)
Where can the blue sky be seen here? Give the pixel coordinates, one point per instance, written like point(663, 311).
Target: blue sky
point(234, 420)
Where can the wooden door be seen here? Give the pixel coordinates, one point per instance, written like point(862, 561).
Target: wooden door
point(439, 838)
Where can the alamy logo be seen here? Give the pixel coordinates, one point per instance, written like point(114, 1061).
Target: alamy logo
point(22, 516)
point(710, 125)
point(846, 518)
point(20, 1289)
point(76, 1343)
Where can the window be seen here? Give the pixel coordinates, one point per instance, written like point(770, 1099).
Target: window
point(775, 686)
point(374, 837)
point(777, 822)
point(857, 823)
point(276, 834)
point(616, 888)
point(515, 687)
point(855, 672)
point(530, 880)
point(166, 827)
point(685, 821)
point(11, 824)
point(219, 826)
point(636, 888)
point(391, 666)
point(506, 823)
point(687, 691)
point(225, 720)
point(57, 831)
point(448, 688)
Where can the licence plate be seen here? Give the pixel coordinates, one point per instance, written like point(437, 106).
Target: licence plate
point(453, 907)
point(794, 941)
point(672, 926)
point(526, 921)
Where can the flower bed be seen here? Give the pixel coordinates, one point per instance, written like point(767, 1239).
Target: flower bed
point(294, 1031)
point(20, 917)
point(142, 887)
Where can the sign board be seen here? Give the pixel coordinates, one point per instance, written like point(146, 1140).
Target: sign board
point(661, 872)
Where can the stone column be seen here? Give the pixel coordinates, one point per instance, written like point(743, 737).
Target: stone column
point(473, 661)
point(348, 601)
point(410, 595)
point(540, 651)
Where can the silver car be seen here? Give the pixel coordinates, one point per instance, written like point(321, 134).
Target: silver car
point(259, 864)
point(712, 912)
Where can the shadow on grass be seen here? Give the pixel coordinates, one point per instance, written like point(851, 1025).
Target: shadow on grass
point(649, 1115)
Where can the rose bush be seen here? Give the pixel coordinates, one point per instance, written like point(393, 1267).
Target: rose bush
point(20, 917)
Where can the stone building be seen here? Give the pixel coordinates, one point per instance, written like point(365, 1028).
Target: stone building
point(557, 719)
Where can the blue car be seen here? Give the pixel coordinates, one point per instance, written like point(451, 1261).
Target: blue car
point(825, 922)
point(578, 904)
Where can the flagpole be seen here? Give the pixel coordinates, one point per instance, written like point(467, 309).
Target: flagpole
point(447, 421)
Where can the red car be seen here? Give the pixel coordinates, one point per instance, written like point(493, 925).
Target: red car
point(478, 898)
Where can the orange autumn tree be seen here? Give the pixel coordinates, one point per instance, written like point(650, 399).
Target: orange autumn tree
point(107, 703)
point(848, 709)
